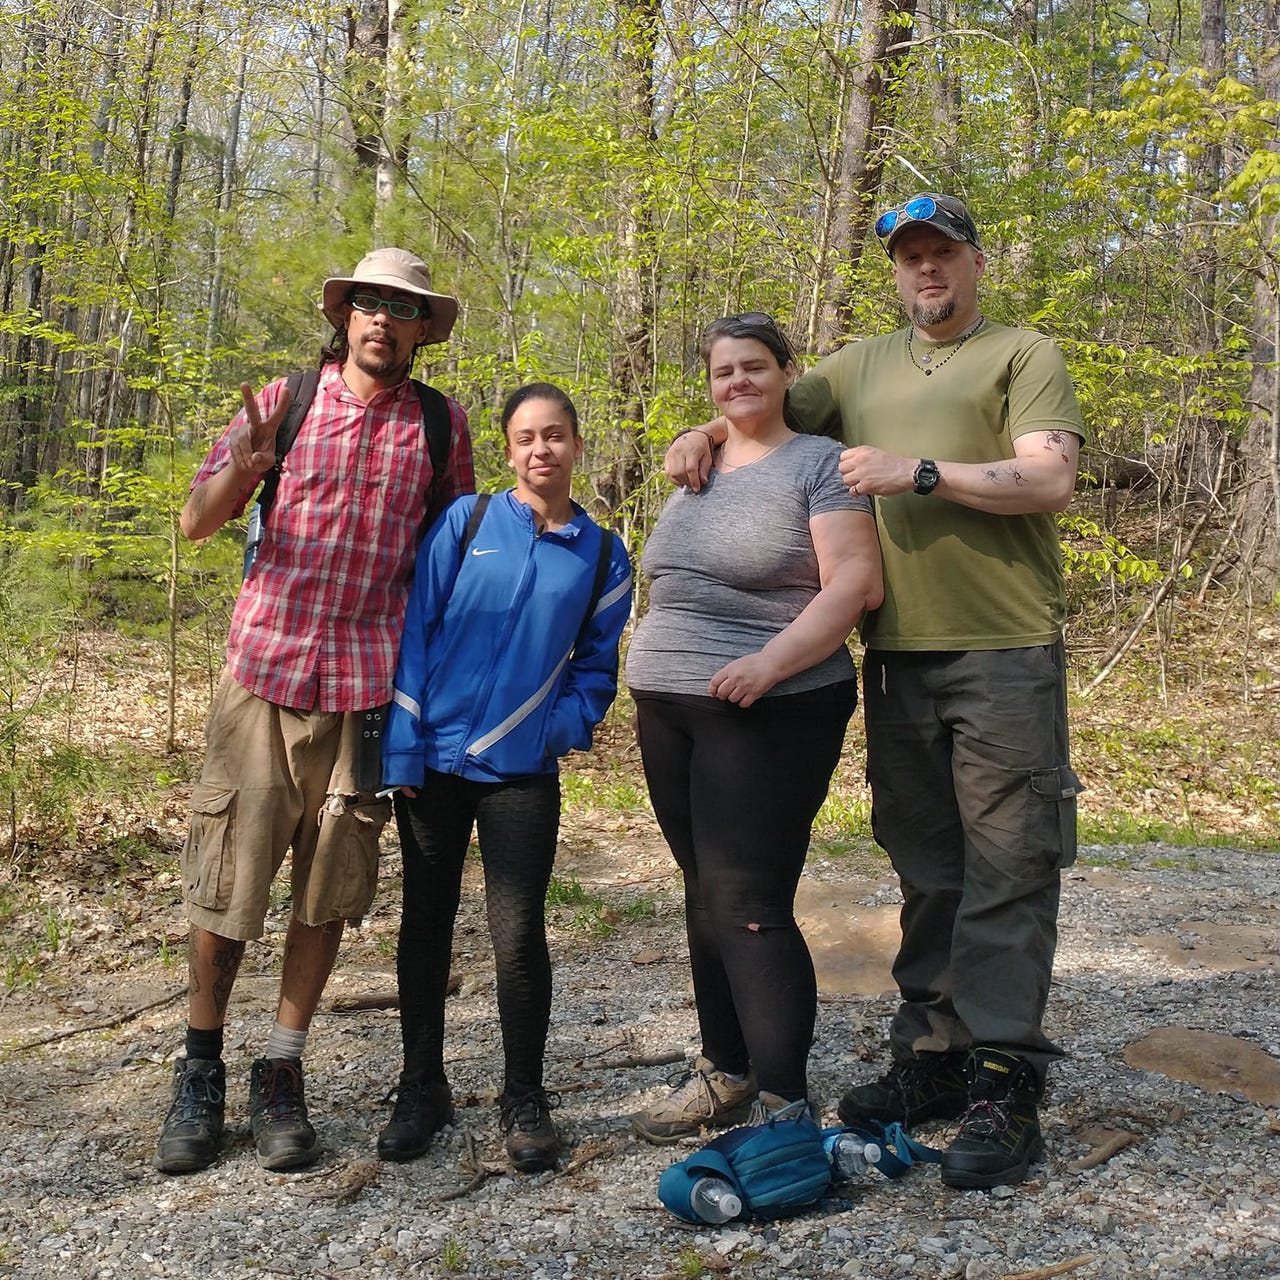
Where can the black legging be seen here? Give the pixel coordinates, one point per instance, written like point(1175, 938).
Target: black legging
point(735, 792)
point(516, 825)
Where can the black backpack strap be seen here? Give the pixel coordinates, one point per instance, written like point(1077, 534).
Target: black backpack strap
point(437, 424)
point(603, 559)
point(473, 523)
point(302, 391)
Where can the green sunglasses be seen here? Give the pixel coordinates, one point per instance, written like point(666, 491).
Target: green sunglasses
point(370, 304)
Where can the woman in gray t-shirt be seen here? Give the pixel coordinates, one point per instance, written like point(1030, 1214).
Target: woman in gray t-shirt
point(743, 690)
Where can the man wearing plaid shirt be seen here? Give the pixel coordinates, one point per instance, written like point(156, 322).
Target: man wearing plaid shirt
point(313, 645)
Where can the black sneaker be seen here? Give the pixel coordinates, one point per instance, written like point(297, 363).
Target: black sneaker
point(930, 1086)
point(1000, 1133)
point(278, 1114)
point(191, 1136)
point(423, 1108)
point(532, 1140)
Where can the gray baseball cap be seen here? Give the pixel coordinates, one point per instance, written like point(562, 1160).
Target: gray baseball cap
point(947, 214)
point(396, 269)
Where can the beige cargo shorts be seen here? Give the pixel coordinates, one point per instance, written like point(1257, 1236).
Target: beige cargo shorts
point(276, 779)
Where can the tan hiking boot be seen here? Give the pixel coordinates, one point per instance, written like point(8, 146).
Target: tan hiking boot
point(705, 1098)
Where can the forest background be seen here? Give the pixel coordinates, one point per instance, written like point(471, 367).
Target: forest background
point(595, 182)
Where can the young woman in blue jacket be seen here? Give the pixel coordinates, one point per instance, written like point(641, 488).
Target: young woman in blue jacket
point(509, 660)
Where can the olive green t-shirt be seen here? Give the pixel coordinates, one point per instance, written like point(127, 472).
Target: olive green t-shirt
point(955, 578)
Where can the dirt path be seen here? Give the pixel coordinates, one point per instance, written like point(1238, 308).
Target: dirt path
point(1153, 1170)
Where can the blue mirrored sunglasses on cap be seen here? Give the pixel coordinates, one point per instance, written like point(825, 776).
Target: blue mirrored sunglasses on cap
point(921, 209)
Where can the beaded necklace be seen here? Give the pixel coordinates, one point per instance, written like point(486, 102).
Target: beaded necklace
point(926, 358)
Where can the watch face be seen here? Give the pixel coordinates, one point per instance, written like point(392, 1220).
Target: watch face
point(926, 477)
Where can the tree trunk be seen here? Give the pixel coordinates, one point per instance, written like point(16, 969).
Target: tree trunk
point(1024, 168)
point(225, 201)
point(1260, 457)
point(393, 148)
point(886, 33)
point(31, 396)
point(1200, 443)
point(632, 360)
point(367, 36)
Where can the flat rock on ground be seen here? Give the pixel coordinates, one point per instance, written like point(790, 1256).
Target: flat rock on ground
point(1163, 1159)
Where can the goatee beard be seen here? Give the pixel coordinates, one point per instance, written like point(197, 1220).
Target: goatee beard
point(925, 315)
point(377, 365)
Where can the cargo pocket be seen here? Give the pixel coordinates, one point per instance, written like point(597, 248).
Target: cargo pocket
point(1051, 814)
point(344, 872)
point(208, 868)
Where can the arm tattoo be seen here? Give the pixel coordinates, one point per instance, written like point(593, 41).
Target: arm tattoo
point(998, 475)
point(1057, 440)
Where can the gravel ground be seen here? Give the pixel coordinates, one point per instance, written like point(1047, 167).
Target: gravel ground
point(1146, 1175)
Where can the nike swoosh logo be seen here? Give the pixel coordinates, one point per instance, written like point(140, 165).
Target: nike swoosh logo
point(490, 551)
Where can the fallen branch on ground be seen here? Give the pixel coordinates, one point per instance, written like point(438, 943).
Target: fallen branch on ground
point(382, 999)
point(102, 1024)
point(1102, 1153)
point(1058, 1269)
point(471, 1163)
point(590, 1153)
point(662, 1059)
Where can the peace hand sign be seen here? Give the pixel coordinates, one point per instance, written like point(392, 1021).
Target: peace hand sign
point(253, 443)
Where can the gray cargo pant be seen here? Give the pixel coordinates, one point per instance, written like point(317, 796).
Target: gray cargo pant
point(973, 799)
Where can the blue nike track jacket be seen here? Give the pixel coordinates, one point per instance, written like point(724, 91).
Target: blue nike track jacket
point(500, 671)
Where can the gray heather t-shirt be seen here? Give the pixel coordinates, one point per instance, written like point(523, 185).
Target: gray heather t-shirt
point(733, 565)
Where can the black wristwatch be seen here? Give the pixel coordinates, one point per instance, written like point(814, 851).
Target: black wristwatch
point(927, 476)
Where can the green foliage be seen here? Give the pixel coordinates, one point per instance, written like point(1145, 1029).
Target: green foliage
point(645, 907)
point(453, 1257)
point(1089, 551)
point(690, 1264)
point(596, 920)
point(615, 791)
point(565, 893)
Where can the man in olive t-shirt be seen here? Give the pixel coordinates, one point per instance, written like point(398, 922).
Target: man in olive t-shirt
point(967, 435)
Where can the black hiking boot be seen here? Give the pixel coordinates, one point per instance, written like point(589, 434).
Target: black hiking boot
point(278, 1115)
point(423, 1108)
point(191, 1136)
point(930, 1086)
point(532, 1140)
point(1000, 1132)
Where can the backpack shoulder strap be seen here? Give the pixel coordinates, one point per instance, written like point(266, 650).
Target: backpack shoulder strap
point(603, 559)
point(302, 391)
point(437, 425)
point(473, 523)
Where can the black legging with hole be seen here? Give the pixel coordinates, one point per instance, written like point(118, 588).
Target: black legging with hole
point(516, 824)
point(735, 792)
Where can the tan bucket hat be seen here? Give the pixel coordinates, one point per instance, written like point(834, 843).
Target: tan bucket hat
point(396, 269)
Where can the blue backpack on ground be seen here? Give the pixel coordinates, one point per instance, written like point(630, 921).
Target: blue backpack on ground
point(776, 1168)
point(784, 1166)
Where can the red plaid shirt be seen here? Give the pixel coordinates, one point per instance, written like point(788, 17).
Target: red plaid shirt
point(317, 624)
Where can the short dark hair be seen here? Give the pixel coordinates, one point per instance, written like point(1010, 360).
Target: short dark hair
point(538, 391)
point(749, 324)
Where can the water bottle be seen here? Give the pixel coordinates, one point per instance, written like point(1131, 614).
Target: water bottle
point(850, 1155)
point(714, 1200)
point(252, 538)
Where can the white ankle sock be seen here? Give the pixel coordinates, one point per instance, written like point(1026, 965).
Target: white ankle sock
point(284, 1042)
